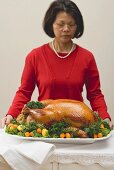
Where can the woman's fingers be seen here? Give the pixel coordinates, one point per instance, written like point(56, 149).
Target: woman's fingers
point(3, 121)
point(6, 120)
point(111, 125)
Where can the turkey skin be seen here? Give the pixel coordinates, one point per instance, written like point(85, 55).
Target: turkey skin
point(74, 112)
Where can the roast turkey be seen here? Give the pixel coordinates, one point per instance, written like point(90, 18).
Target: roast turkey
point(76, 113)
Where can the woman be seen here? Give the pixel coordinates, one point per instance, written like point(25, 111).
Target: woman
point(60, 68)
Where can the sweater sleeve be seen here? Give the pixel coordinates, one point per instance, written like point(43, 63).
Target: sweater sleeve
point(94, 94)
point(24, 93)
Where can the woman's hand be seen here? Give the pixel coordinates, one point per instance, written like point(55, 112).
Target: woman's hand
point(6, 120)
point(110, 123)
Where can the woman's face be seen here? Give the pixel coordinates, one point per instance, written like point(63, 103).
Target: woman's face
point(64, 27)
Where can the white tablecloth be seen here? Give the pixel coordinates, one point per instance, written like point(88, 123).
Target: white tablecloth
point(24, 154)
point(101, 153)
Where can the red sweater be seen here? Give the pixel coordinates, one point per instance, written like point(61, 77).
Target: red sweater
point(60, 78)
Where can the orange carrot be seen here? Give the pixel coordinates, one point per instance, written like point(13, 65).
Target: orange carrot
point(27, 134)
point(39, 130)
point(100, 135)
point(62, 135)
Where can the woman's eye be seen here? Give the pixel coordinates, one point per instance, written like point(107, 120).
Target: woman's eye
point(61, 25)
point(71, 24)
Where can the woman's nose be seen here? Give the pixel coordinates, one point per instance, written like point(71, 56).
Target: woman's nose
point(66, 28)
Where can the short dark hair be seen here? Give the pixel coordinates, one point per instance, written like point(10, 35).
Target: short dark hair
point(67, 6)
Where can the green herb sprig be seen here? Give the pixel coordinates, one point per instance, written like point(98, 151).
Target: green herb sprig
point(35, 105)
point(95, 128)
point(57, 128)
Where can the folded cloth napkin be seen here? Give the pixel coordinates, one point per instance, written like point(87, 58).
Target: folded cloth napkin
point(24, 154)
point(36, 151)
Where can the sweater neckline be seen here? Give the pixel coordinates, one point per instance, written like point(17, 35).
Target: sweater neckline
point(60, 53)
point(49, 65)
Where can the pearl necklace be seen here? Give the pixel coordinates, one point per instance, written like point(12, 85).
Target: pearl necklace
point(58, 54)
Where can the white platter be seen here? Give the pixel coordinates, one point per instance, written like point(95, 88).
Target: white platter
point(61, 140)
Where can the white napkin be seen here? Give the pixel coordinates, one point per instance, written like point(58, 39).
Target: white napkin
point(21, 155)
point(39, 152)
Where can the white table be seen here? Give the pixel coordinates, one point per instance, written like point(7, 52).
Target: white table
point(98, 155)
